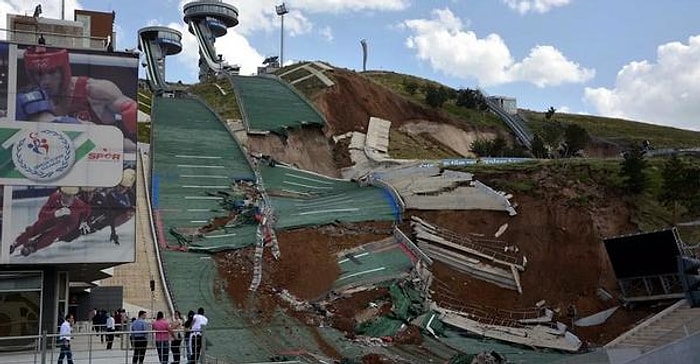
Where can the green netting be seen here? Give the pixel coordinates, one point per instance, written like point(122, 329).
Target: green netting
point(379, 327)
point(304, 199)
point(406, 301)
point(515, 354)
point(194, 155)
point(193, 283)
point(461, 359)
point(373, 266)
point(430, 320)
point(269, 104)
point(407, 304)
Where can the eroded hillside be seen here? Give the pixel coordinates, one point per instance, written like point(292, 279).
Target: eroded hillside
point(564, 211)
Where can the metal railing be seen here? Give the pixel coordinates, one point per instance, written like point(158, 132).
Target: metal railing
point(53, 39)
point(87, 348)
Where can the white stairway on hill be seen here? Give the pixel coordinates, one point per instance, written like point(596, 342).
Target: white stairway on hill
point(672, 324)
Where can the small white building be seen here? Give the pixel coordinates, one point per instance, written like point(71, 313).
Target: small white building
point(509, 104)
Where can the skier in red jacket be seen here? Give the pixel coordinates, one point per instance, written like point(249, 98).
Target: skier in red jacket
point(61, 213)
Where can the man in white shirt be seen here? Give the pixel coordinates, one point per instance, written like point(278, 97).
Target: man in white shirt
point(64, 337)
point(110, 327)
point(199, 321)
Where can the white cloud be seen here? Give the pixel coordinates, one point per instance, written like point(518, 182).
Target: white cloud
point(339, 6)
point(534, 6)
point(557, 70)
point(260, 15)
point(50, 9)
point(326, 33)
point(666, 91)
point(233, 46)
point(442, 42)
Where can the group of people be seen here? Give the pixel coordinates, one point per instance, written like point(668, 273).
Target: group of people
point(169, 336)
point(105, 324)
point(71, 212)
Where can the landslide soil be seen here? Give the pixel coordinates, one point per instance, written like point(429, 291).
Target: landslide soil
point(560, 237)
point(558, 232)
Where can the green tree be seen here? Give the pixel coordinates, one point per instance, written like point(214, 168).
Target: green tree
point(692, 203)
point(435, 96)
point(499, 146)
point(552, 134)
point(576, 138)
point(674, 185)
point(410, 86)
point(143, 132)
point(471, 99)
point(550, 113)
point(539, 150)
point(633, 171)
point(481, 147)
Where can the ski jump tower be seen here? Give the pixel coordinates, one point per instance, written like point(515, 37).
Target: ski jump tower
point(155, 43)
point(208, 20)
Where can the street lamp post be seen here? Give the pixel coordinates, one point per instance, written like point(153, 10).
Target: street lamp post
point(281, 10)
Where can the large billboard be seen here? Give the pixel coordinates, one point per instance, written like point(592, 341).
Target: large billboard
point(67, 155)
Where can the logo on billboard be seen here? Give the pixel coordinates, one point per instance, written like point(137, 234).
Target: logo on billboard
point(104, 155)
point(43, 155)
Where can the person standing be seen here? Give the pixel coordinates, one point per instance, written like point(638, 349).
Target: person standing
point(65, 337)
point(139, 339)
point(118, 322)
point(110, 326)
point(102, 325)
point(199, 321)
point(163, 332)
point(188, 334)
point(177, 330)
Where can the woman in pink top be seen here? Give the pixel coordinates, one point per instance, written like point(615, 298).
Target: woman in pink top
point(163, 332)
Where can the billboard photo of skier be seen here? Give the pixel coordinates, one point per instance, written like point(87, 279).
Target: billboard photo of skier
point(72, 224)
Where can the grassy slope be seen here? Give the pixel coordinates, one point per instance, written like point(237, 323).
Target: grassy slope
point(620, 130)
point(225, 105)
point(616, 130)
point(396, 81)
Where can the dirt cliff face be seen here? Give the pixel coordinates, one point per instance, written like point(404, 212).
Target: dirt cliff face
point(560, 236)
point(349, 104)
point(559, 227)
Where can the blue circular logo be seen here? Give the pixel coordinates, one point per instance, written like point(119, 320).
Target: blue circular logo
point(43, 155)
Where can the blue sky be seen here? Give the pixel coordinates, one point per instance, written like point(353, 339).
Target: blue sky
point(636, 59)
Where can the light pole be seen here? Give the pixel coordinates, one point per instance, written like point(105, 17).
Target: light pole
point(281, 10)
point(364, 54)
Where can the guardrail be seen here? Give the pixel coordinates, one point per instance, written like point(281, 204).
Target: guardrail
point(53, 39)
point(514, 123)
point(87, 348)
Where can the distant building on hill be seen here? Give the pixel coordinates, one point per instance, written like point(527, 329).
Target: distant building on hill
point(508, 104)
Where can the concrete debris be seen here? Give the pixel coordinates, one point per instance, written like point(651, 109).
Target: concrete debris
point(295, 303)
point(493, 261)
point(501, 230)
point(369, 341)
point(603, 294)
point(539, 336)
point(490, 357)
point(596, 319)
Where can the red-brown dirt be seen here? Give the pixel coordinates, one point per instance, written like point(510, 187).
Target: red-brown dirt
point(349, 104)
point(561, 240)
point(557, 230)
